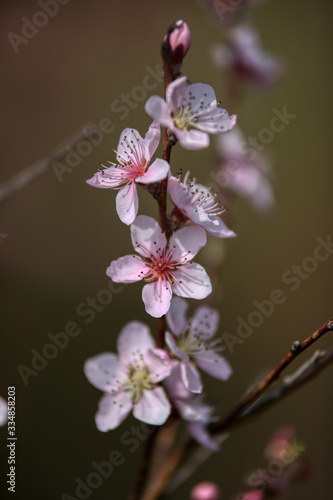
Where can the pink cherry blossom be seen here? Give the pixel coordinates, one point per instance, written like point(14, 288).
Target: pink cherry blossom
point(166, 267)
point(191, 340)
point(197, 204)
point(130, 379)
point(205, 491)
point(244, 171)
point(253, 495)
point(247, 61)
point(179, 41)
point(191, 408)
point(191, 112)
point(133, 156)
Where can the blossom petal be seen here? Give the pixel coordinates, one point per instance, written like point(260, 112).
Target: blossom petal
point(176, 316)
point(191, 139)
point(205, 321)
point(191, 377)
point(176, 92)
point(133, 342)
point(103, 180)
point(213, 364)
point(153, 407)
point(173, 347)
point(127, 269)
point(157, 297)
point(152, 140)
point(192, 282)
point(158, 363)
point(105, 372)
point(157, 108)
point(147, 235)
point(174, 384)
point(216, 121)
point(216, 227)
point(127, 203)
point(202, 436)
point(178, 193)
point(156, 172)
point(188, 241)
point(130, 147)
point(3, 411)
point(112, 410)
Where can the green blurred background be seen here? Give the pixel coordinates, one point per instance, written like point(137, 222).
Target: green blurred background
point(63, 235)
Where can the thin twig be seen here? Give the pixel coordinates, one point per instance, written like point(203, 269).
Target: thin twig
point(143, 470)
point(41, 166)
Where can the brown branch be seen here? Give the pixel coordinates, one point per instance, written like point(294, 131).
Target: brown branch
point(41, 166)
point(143, 470)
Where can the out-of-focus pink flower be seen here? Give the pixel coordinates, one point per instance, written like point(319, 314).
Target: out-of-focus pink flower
point(191, 408)
point(190, 112)
point(192, 340)
point(3, 411)
point(205, 491)
point(227, 12)
point(179, 41)
point(129, 379)
point(280, 445)
point(197, 204)
point(167, 267)
point(246, 60)
point(253, 495)
point(244, 172)
point(133, 156)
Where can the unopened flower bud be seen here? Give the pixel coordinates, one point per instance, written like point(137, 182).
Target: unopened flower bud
point(176, 43)
point(205, 491)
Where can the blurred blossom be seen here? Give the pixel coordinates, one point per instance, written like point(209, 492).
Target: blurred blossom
point(190, 112)
point(280, 443)
point(205, 491)
point(244, 58)
point(3, 411)
point(130, 379)
point(253, 495)
point(191, 408)
point(227, 12)
point(192, 340)
point(244, 171)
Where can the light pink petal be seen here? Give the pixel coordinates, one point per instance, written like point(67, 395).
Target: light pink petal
point(192, 282)
point(213, 364)
point(3, 411)
point(130, 147)
point(133, 342)
point(191, 377)
point(191, 139)
point(174, 384)
point(201, 435)
point(203, 96)
point(127, 269)
point(188, 240)
point(153, 407)
point(156, 172)
point(173, 347)
point(127, 203)
point(178, 193)
point(147, 235)
point(159, 110)
point(205, 321)
point(176, 92)
point(216, 227)
point(112, 410)
point(105, 372)
point(156, 297)
point(176, 316)
point(103, 180)
point(158, 363)
point(151, 140)
point(216, 122)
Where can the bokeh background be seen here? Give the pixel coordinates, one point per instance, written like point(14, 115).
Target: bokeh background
point(61, 236)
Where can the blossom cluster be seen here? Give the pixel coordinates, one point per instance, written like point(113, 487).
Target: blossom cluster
point(159, 382)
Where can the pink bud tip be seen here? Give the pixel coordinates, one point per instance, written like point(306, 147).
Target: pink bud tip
point(205, 491)
point(180, 39)
point(253, 495)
